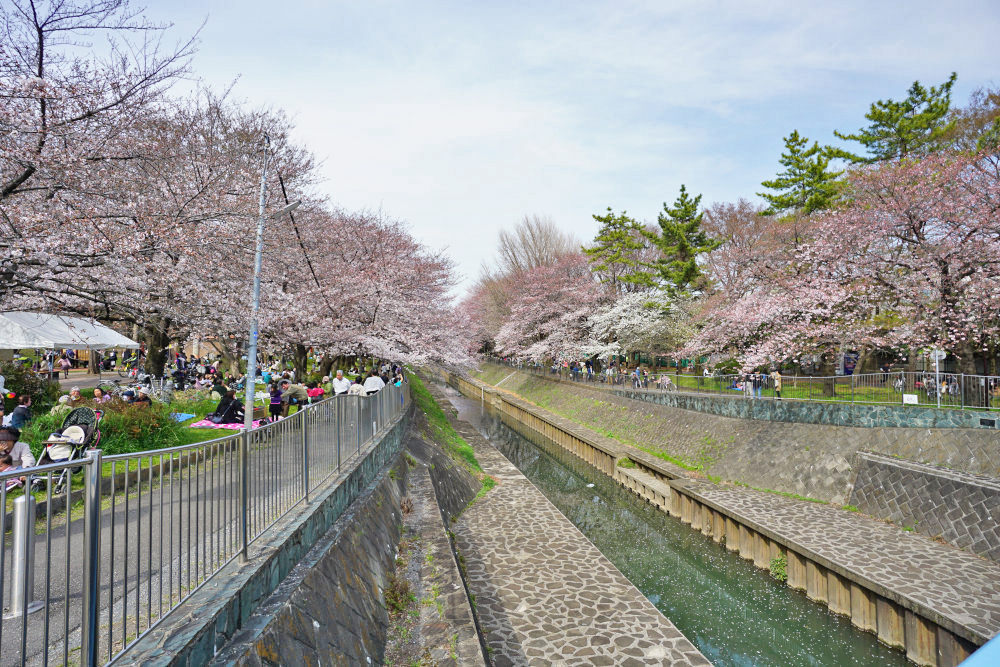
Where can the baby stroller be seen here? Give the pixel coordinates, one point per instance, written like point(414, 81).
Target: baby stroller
point(79, 432)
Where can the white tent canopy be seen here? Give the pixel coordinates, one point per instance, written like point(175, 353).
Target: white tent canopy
point(38, 330)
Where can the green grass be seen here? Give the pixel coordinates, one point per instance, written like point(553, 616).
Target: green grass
point(441, 430)
point(488, 483)
point(779, 568)
point(798, 389)
point(626, 462)
point(786, 494)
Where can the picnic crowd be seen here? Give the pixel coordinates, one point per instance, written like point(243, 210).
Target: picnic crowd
point(282, 389)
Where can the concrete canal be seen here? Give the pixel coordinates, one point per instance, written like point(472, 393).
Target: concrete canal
point(733, 612)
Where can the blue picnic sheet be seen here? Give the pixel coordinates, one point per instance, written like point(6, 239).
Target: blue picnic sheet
point(182, 416)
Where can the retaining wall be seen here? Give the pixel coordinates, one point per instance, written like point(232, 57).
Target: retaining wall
point(927, 637)
point(330, 609)
point(205, 622)
point(818, 412)
point(814, 459)
point(961, 508)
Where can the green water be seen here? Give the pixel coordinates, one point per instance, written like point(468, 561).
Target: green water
point(733, 612)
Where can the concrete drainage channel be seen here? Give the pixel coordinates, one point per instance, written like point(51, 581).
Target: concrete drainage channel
point(928, 635)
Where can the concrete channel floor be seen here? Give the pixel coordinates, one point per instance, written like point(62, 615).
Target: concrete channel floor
point(544, 594)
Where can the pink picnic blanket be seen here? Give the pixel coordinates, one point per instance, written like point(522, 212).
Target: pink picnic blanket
point(204, 423)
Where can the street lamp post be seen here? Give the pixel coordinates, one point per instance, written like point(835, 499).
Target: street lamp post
point(251, 377)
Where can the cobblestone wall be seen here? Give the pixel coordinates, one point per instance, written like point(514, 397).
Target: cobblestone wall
point(330, 609)
point(454, 486)
point(816, 412)
point(207, 621)
point(961, 508)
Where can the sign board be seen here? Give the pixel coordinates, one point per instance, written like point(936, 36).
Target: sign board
point(938, 355)
point(909, 399)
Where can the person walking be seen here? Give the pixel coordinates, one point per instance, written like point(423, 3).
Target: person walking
point(776, 377)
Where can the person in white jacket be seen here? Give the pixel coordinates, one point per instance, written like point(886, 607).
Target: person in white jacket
point(373, 383)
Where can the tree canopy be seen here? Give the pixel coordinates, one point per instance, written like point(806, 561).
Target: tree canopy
point(916, 125)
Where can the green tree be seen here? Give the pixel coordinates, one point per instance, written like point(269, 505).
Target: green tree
point(615, 253)
point(807, 184)
point(680, 240)
point(915, 125)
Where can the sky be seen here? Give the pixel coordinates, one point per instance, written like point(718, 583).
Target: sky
point(460, 118)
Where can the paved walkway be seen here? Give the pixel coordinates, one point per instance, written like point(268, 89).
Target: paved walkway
point(544, 594)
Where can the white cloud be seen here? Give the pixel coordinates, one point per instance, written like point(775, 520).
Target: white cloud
point(462, 117)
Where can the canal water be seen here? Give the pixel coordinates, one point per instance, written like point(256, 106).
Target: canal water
point(735, 613)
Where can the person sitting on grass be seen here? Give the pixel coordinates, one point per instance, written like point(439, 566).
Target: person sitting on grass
point(314, 391)
point(218, 387)
point(341, 385)
point(100, 396)
point(292, 394)
point(229, 410)
point(19, 452)
point(143, 398)
point(21, 415)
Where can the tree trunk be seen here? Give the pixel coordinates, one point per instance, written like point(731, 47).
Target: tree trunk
point(828, 369)
point(327, 365)
point(300, 362)
point(972, 393)
point(157, 340)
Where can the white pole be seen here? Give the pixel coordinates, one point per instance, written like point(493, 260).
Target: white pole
point(937, 379)
point(251, 379)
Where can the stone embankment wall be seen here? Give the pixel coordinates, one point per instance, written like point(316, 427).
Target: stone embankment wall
point(810, 459)
point(330, 609)
point(206, 622)
point(927, 636)
point(958, 507)
point(817, 412)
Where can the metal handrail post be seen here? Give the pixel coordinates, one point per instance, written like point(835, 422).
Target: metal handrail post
point(244, 493)
point(91, 560)
point(23, 568)
point(358, 423)
point(340, 427)
point(305, 454)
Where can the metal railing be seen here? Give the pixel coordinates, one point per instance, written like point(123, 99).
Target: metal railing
point(923, 388)
point(134, 535)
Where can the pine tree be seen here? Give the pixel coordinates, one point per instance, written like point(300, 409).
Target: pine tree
point(680, 240)
point(614, 253)
point(915, 125)
point(807, 184)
